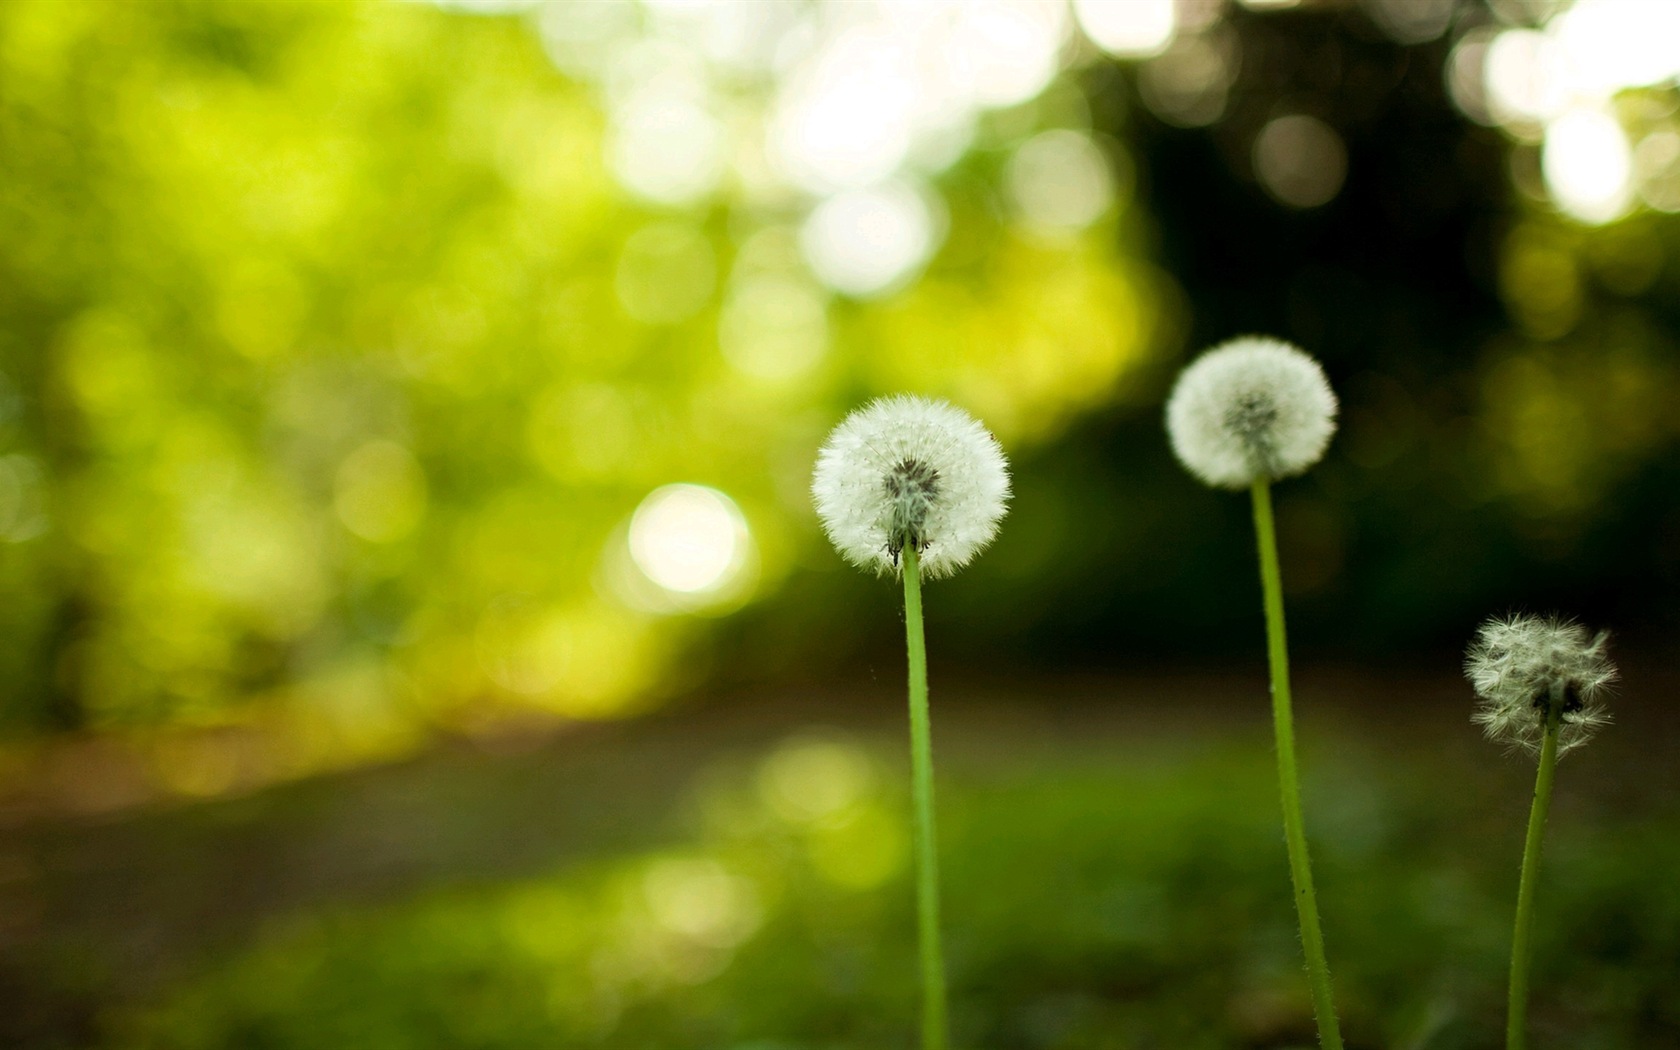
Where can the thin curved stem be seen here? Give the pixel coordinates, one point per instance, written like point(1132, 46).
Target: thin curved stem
point(921, 775)
point(1289, 785)
point(1516, 1017)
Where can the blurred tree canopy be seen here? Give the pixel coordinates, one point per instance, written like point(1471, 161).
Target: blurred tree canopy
point(335, 362)
point(349, 353)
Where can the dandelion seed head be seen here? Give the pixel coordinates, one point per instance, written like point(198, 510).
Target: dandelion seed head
point(907, 471)
point(1517, 664)
point(1248, 409)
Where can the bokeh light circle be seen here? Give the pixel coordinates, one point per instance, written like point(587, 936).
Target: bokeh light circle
point(1588, 165)
point(666, 146)
point(1060, 180)
point(869, 242)
point(690, 540)
point(1134, 29)
point(1300, 160)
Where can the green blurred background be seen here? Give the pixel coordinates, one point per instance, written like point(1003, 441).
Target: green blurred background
point(395, 397)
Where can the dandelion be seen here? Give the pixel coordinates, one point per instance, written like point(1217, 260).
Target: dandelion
point(1251, 408)
point(1242, 415)
point(907, 472)
point(1517, 662)
point(1542, 682)
point(906, 485)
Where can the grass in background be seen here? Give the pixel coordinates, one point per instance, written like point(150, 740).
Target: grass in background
point(1096, 898)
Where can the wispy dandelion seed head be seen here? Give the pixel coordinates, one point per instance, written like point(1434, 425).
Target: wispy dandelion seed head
point(1516, 662)
point(907, 471)
point(1250, 408)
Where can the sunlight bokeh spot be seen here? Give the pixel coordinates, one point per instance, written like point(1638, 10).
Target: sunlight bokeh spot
point(1522, 78)
point(739, 38)
point(878, 90)
point(698, 898)
point(1466, 74)
point(1060, 180)
point(487, 8)
point(774, 327)
point(586, 661)
point(108, 363)
point(1608, 45)
point(847, 119)
point(1005, 51)
point(1541, 282)
point(869, 242)
point(1412, 21)
point(380, 492)
point(1588, 165)
point(583, 39)
point(813, 780)
point(1300, 160)
point(665, 145)
point(1568, 84)
point(690, 540)
point(1657, 159)
point(23, 511)
point(1189, 84)
point(1127, 28)
point(252, 549)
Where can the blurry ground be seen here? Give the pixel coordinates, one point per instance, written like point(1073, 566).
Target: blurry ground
point(734, 875)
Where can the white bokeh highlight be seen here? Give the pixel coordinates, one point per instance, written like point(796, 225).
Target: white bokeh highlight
point(866, 243)
point(1300, 160)
point(1587, 163)
point(1060, 181)
point(691, 541)
point(1128, 28)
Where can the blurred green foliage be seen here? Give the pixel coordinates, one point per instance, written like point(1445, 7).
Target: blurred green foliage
point(336, 362)
point(333, 363)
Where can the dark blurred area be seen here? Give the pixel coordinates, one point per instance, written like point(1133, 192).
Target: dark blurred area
point(1411, 532)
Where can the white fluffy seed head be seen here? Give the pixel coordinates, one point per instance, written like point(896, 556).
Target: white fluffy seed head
point(905, 471)
point(1248, 409)
point(1520, 665)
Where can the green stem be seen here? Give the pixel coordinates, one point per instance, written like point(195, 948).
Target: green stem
point(1516, 1018)
point(921, 771)
point(1289, 785)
